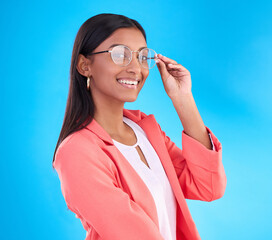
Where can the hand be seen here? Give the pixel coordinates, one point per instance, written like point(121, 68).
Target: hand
point(176, 78)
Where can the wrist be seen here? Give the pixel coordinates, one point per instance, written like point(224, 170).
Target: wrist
point(182, 101)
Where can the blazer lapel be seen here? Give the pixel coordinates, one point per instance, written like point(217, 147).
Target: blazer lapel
point(153, 132)
point(132, 183)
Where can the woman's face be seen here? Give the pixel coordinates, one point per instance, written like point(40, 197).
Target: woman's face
point(106, 75)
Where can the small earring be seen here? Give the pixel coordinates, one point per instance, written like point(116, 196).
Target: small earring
point(88, 83)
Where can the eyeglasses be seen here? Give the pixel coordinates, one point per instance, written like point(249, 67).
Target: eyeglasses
point(122, 56)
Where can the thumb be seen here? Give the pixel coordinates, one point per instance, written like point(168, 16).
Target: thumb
point(162, 69)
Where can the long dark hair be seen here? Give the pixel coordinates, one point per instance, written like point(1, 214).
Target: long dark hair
point(79, 110)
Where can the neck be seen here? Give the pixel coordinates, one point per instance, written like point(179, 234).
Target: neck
point(110, 117)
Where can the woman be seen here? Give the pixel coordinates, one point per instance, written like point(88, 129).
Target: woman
point(119, 172)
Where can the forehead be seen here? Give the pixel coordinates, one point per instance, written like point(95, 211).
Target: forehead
point(131, 37)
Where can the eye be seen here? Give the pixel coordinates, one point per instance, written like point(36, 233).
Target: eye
point(143, 58)
point(119, 55)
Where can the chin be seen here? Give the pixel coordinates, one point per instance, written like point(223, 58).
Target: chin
point(133, 100)
point(130, 99)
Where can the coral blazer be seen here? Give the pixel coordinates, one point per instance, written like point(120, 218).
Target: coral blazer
point(113, 203)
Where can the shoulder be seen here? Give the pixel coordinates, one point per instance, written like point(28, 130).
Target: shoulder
point(77, 140)
point(77, 148)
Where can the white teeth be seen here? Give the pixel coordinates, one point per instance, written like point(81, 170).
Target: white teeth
point(128, 82)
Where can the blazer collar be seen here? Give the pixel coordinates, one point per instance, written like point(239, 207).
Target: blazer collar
point(135, 115)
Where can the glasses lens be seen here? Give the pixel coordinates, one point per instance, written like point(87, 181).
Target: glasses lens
point(147, 57)
point(121, 55)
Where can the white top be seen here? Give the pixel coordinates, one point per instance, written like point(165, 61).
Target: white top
point(154, 178)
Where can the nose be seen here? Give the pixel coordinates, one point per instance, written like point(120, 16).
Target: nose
point(134, 65)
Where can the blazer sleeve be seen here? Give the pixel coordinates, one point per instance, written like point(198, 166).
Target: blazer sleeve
point(199, 170)
point(90, 189)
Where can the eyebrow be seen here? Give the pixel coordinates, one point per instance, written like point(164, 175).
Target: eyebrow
point(117, 44)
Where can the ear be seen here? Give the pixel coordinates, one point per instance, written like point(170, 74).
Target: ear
point(84, 66)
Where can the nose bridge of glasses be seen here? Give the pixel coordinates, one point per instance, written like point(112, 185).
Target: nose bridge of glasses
point(136, 56)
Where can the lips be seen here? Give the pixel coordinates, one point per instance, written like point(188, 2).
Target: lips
point(128, 82)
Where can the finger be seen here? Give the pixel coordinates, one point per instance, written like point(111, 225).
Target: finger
point(166, 59)
point(178, 74)
point(176, 71)
point(177, 67)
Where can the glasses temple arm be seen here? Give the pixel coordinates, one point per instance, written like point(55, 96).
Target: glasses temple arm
point(98, 52)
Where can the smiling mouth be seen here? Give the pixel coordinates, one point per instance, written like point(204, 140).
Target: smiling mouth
point(128, 83)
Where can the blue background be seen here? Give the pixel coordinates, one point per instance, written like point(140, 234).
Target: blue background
point(226, 46)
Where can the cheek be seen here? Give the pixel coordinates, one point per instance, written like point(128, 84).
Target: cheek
point(146, 73)
point(102, 70)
